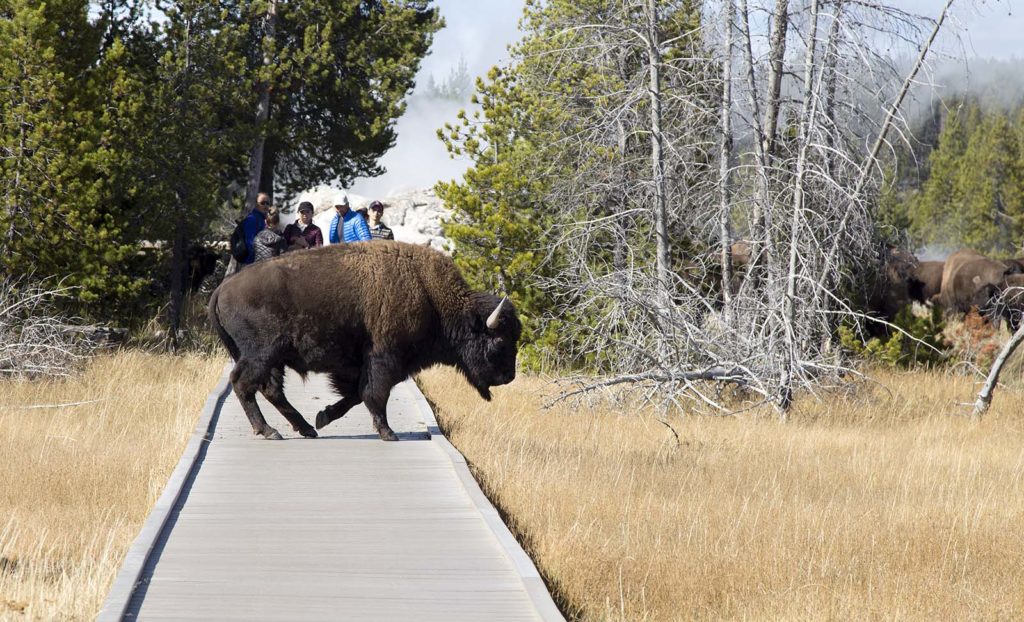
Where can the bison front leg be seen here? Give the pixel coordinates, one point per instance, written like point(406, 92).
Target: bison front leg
point(377, 383)
point(346, 383)
point(273, 390)
point(335, 411)
point(245, 380)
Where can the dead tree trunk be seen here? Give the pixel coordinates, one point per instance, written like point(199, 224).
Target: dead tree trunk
point(776, 54)
point(252, 187)
point(795, 225)
point(985, 396)
point(657, 158)
point(178, 269)
point(725, 149)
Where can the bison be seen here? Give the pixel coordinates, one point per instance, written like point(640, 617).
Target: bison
point(926, 282)
point(368, 315)
point(970, 279)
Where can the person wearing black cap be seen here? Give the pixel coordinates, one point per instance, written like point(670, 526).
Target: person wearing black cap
point(303, 233)
point(378, 230)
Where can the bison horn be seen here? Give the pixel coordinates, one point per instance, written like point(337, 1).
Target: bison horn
point(492, 319)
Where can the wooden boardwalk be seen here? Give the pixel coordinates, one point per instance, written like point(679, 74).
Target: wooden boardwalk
point(344, 527)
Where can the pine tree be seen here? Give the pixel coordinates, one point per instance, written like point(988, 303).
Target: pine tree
point(190, 134)
point(974, 194)
point(336, 73)
point(499, 219)
point(56, 217)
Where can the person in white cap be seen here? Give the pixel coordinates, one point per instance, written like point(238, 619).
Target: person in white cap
point(347, 225)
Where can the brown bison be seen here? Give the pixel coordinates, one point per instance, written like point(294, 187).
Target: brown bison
point(970, 279)
point(368, 315)
point(891, 289)
point(994, 286)
point(926, 281)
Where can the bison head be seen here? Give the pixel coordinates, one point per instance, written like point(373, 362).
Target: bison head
point(489, 344)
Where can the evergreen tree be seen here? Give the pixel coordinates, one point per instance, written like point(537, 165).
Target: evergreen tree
point(499, 219)
point(974, 194)
point(189, 131)
point(337, 73)
point(56, 217)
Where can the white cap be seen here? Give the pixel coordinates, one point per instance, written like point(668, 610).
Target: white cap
point(341, 199)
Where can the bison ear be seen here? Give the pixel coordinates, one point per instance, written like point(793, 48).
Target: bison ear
point(976, 280)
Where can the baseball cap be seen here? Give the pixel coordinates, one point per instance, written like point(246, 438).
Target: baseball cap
point(342, 199)
point(306, 206)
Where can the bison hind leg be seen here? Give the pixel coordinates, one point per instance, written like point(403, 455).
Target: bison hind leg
point(245, 380)
point(376, 384)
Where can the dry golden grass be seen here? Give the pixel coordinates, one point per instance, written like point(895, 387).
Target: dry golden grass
point(77, 482)
point(876, 506)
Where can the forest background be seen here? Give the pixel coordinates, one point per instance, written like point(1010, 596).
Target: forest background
point(603, 211)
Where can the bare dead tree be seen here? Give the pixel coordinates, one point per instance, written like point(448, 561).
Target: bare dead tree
point(35, 338)
point(724, 159)
point(749, 149)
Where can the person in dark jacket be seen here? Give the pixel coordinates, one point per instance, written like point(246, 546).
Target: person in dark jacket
point(254, 222)
point(269, 243)
point(303, 233)
point(378, 230)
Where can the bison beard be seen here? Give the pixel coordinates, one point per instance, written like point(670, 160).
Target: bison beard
point(369, 316)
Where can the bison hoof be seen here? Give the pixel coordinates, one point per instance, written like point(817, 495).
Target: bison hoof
point(272, 435)
point(322, 419)
point(308, 433)
point(387, 434)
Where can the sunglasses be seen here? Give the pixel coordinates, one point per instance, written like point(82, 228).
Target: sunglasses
point(266, 203)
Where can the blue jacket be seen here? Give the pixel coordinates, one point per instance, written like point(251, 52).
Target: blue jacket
point(353, 229)
point(255, 222)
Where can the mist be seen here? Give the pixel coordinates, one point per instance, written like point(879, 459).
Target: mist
point(472, 35)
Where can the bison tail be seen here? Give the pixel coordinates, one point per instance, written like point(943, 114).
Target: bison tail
point(229, 343)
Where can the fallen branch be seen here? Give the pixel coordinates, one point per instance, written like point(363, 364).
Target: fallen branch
point(64, 405)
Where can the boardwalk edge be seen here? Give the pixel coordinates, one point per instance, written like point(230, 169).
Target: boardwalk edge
point(120, 595)
point(528, 574)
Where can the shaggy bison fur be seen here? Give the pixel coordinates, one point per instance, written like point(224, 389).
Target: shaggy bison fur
point(368, 315)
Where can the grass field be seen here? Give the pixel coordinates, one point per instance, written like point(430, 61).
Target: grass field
point(76, 482)
point(887, 504)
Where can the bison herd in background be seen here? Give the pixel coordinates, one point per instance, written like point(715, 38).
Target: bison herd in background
point(965, 280)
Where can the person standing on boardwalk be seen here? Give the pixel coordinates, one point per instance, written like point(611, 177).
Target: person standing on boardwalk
point(254, 222)
point(378, 230)
point(347, 225)
point(303, 233)
point(269, 243)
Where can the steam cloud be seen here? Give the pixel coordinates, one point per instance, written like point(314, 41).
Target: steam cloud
point(473, 34)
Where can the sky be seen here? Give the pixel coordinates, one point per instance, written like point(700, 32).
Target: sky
point(479, 31)
point(988, 28)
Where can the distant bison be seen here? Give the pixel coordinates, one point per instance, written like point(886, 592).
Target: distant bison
point(926, 282)
point(369, 315)
point(970, 279)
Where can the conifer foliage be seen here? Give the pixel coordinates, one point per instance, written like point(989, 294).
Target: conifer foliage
point(126, 127)
point(973, 195)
